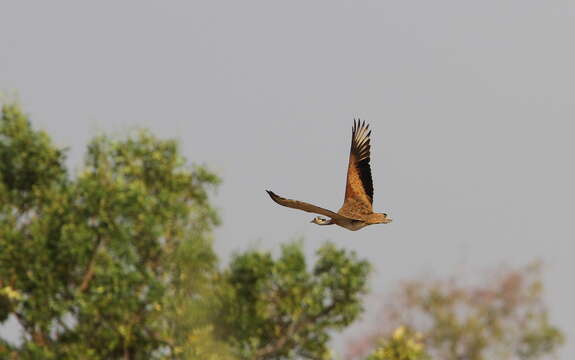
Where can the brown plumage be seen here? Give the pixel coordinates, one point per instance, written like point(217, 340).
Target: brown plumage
point(357, 211)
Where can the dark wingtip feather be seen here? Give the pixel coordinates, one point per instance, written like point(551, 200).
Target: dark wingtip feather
point(273, 195)
point(362, 152)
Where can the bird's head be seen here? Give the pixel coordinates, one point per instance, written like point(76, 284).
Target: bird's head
point(383, 218)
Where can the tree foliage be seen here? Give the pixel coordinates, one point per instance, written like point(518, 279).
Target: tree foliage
point(91, 265)
point(505, 318)
point(277, 309)
point(403, 344)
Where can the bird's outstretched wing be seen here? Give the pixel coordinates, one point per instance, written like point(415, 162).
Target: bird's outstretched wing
point(295, 204)
point(359, 186)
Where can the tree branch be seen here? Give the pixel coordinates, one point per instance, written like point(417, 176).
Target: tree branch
point(291, 331)
point(89, 273)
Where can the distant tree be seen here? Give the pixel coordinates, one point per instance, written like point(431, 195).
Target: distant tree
point(102, 265)
point(403, 344)
point(280, 309)
point(503, 319)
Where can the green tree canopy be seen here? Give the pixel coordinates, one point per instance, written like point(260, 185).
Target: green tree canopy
point(90, 264)
point(278, 309)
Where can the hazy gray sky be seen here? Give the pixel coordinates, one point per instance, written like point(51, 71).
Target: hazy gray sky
point(471, 106)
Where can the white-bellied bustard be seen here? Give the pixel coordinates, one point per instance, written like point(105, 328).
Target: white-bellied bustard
point(357, 211)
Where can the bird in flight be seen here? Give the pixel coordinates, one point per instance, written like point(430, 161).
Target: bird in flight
point(357, 211)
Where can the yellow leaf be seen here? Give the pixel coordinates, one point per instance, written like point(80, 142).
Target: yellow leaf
point(398, 333)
